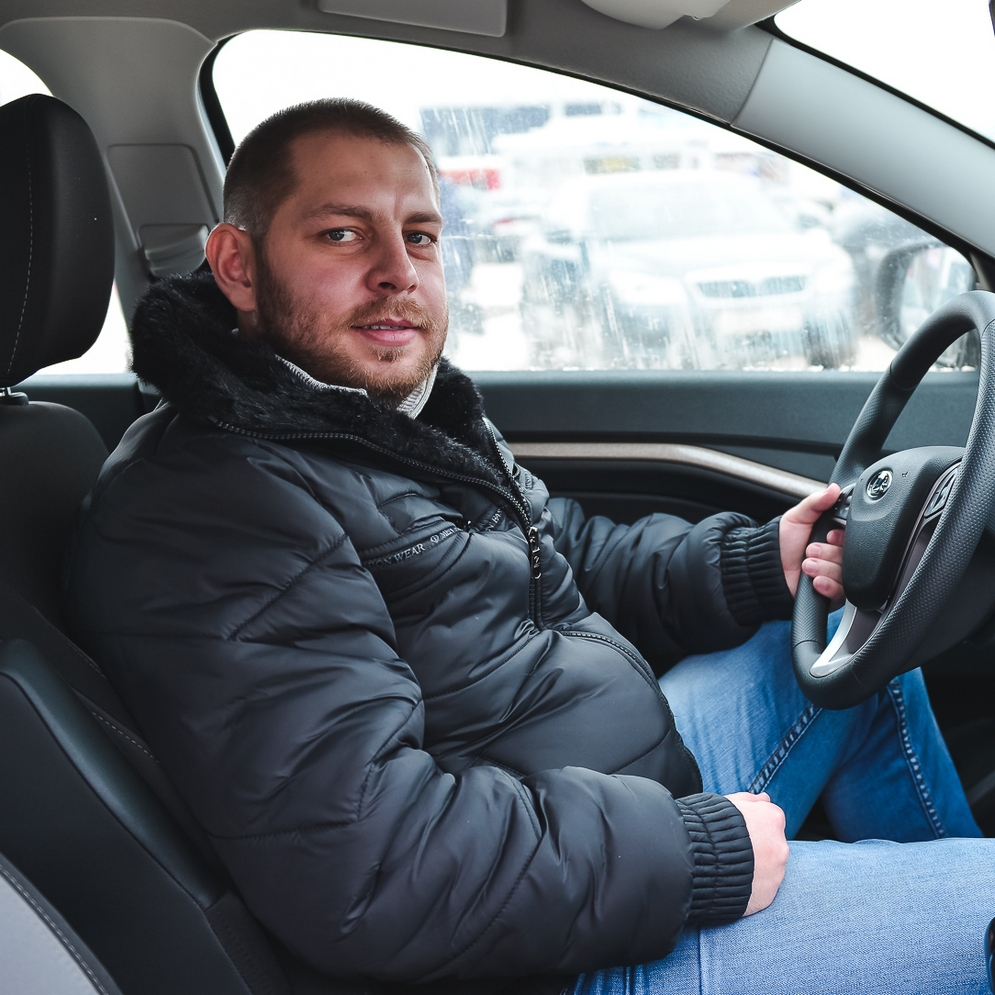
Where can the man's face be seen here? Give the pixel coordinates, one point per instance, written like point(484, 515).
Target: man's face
point(349, 280)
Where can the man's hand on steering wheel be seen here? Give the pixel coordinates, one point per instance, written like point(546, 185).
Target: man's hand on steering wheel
point(822, 561)
point(917, 566)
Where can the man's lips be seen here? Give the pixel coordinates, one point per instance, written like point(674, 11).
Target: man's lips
point(388, 332)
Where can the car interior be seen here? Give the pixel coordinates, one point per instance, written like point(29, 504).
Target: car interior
point(110, 178)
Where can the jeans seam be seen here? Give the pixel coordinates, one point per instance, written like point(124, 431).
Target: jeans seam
point(777, 758)
point(701, 968)
point(912, 760)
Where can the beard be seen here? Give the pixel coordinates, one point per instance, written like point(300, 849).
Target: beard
point(299, 331)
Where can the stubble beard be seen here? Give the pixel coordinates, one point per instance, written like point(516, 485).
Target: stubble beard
point(298, 331)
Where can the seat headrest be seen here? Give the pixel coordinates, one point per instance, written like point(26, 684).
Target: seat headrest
point(56, 237)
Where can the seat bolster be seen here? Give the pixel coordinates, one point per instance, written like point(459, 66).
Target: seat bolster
point(105, 771)
point(50, 457)
point(94, 839)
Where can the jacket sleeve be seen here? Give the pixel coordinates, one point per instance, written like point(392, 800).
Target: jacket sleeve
point(673, 588)
point(259, 659)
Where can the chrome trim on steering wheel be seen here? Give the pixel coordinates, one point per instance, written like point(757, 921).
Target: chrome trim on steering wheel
point(854, 630)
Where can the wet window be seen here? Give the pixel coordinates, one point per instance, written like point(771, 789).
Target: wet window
point(591, 229)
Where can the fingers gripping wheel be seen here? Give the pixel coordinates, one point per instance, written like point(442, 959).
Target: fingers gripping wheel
point(913, 522)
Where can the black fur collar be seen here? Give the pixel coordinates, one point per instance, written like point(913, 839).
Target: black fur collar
point(182, 345)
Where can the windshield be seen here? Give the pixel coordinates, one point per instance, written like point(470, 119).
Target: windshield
point(941, 54)
point(626, 213)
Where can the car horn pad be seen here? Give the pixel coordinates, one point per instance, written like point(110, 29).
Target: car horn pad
point(913, 522)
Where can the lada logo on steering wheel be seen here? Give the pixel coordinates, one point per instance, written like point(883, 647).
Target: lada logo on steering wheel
point(878, 485)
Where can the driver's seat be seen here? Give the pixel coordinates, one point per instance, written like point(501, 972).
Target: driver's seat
point(100, 841)
point(87, 814)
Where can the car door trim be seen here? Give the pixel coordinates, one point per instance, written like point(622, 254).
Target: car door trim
point(792, 484)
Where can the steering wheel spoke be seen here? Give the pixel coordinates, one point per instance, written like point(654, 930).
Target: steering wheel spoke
point(855, 628)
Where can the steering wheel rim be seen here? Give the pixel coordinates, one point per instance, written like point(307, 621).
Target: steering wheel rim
point(893, 641)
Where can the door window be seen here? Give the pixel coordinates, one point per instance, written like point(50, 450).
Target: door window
point(591, 229)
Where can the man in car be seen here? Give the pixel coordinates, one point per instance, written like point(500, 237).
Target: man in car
point(410, 696)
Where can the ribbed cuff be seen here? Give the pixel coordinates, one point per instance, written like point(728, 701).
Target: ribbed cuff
point(723, 859)
point(752, 575)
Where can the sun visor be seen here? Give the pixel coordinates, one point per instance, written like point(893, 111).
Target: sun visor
point(475, 17)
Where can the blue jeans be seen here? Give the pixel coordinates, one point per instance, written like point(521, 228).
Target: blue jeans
point(863, 917)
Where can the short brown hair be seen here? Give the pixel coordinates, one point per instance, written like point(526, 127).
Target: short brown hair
point(260, 175)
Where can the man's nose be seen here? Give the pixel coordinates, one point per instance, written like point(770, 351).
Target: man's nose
point(392, 269)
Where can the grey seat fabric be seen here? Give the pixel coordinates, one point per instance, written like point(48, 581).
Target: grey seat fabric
point(40, 953)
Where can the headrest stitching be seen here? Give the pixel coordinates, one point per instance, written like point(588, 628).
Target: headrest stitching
point(31, 249)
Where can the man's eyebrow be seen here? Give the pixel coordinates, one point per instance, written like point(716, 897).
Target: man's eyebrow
point(424, 218)
point(358, 211)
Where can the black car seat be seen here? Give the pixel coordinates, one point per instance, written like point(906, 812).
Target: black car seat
point(56, 270)
point(101, 841)
point(39, 951)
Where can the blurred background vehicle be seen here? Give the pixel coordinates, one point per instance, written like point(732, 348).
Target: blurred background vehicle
point(688, 268)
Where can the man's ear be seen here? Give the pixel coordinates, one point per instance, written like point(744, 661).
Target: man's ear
point(231, 255)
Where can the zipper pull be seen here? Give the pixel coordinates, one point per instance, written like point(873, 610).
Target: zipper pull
point(533, 537)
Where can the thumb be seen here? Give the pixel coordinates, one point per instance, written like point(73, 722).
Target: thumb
point(807, 511)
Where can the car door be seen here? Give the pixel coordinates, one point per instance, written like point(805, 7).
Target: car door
point(662, 312)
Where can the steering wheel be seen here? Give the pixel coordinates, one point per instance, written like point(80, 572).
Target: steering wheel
point(913, 520)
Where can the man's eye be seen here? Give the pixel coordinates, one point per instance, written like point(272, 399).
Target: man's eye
point(420, 238)
point(341, 235)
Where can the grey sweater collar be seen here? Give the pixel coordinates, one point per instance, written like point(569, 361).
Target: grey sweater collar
point(411, 406)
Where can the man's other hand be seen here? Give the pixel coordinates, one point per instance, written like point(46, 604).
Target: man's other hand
point(765, 824)
point(822, 561)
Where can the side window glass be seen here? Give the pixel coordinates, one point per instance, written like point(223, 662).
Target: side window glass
point(591, 229)
point(111, 352)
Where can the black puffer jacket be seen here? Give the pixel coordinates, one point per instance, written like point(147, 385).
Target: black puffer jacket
point(415, 745)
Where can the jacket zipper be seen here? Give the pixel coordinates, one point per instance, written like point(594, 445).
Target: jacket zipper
point(513, 497)
point(530, 531)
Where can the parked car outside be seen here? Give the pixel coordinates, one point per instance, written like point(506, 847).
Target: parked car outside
point(690, 268)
